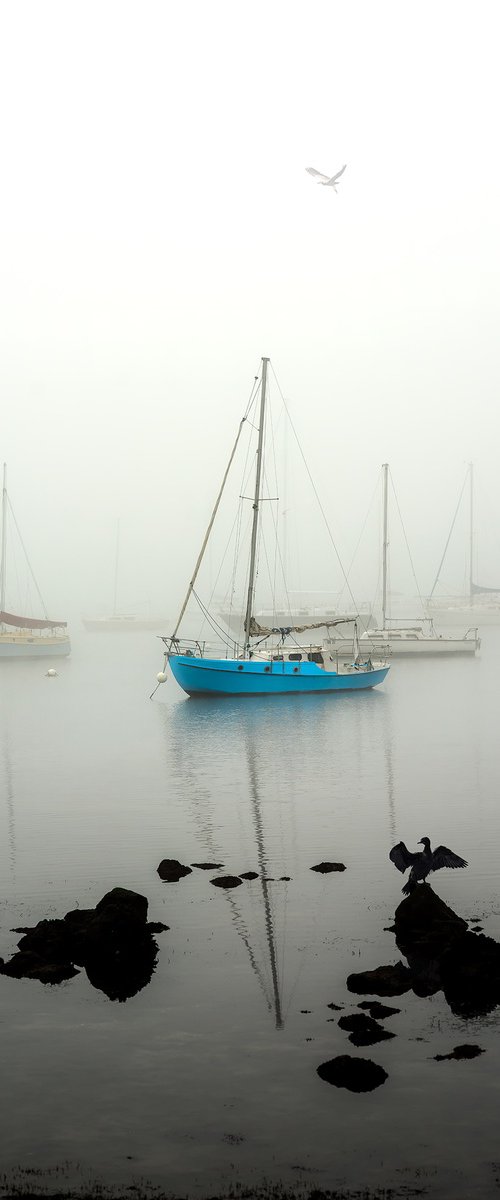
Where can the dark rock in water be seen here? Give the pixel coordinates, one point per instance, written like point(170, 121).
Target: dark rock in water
point(170, 870)
point(363, 1030)
point(378, 1010)
point(157, 927)
point(28, 965)
point(443, 954)
point(226, 881)
point(464, 1051)
point(477, 928)
point(325, 867)
point(424, 923)
point(208, 866)
point(355, 1074)
point(249, 875)
point(112, 941)
point(285, 878)
point(336, 1007)
point(392, 980)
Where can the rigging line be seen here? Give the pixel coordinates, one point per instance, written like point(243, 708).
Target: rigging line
point(370, 506)
point(40, 597)
point(223, 559)
point(322, 511)
point(219, 497)
point(214, 625)
point(449, 535)
point(415, 580)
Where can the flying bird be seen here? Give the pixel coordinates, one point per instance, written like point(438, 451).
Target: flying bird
point(327, 180)
point(423, 862)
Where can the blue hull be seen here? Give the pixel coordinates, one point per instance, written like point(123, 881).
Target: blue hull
point(254, 677)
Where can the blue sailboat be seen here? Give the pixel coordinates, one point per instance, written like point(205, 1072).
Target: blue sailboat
point(263, 669)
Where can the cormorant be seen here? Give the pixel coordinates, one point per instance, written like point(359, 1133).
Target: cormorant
point(423, 862)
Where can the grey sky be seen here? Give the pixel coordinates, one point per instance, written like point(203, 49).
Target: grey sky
point(160, 234)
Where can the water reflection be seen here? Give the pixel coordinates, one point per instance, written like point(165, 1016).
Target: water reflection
point(8, 776)
point(241, 746)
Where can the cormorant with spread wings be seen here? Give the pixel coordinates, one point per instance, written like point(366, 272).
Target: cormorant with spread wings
point(327, 180)
point(423, 862)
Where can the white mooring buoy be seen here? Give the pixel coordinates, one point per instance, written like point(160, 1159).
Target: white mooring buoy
point(161, 677)
point(51, 672)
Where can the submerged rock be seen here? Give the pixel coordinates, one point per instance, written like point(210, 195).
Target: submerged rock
point(464, 1051)
point(226, 881)
point(355, 1074)
point(249, 875)
point(391, 980)
point(171, 870)
point(208, 866)
point(325, 867)
point(363, 1030)
point(378, 1010)
point(112, 941)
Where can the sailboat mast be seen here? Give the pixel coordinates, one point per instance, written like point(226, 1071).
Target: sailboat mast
point(385, 470)
point(117, 553)
point(4, 539)
point(255, 523)
point(471, 533)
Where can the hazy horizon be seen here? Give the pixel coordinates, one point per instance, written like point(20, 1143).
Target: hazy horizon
point(161, 234)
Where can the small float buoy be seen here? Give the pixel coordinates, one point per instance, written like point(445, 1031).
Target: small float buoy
point(51, 672)
point(161, 677)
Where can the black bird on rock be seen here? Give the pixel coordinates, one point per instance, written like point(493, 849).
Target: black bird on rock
point(423, 862)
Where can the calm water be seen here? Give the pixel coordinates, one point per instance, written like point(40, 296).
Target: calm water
point(207, 1078)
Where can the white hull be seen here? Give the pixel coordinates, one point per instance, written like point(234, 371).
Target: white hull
point(26, 645)
point(415, 642)
point(468, 615)
point(125, 624)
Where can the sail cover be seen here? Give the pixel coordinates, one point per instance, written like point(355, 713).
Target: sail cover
point(30, 622)
point(257, 630)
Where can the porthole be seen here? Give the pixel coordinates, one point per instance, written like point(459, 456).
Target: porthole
point(240, 668)
point(266, 669)
point(295, 670)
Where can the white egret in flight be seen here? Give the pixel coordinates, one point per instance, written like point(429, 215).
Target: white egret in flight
point(327, 180)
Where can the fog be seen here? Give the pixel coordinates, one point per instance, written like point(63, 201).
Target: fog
point(160, 234)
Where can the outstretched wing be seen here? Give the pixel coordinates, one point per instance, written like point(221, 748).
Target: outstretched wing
point(313, 171)
point(401, 857)
point(442, 857)
point(337, 176)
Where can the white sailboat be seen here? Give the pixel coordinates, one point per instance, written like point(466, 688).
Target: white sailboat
point(399, 637)
point(24, 636)
point(481, 606)
point(122, 622)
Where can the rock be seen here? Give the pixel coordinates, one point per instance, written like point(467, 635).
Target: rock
point(171, 870)
point(249, 875)
point(226, 881)
point(443, 953)
point(336, 1007)
point(325, 867)
point(477, 928)
point(363, 1030)
point(378, 1010)
point(464, 1051)
point(285, 878)
point(355, 1074)
point(157, 927)
point(392, 980)
point(425, 924)
point(28, 965)
point(208, 866)
point(112, 941)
